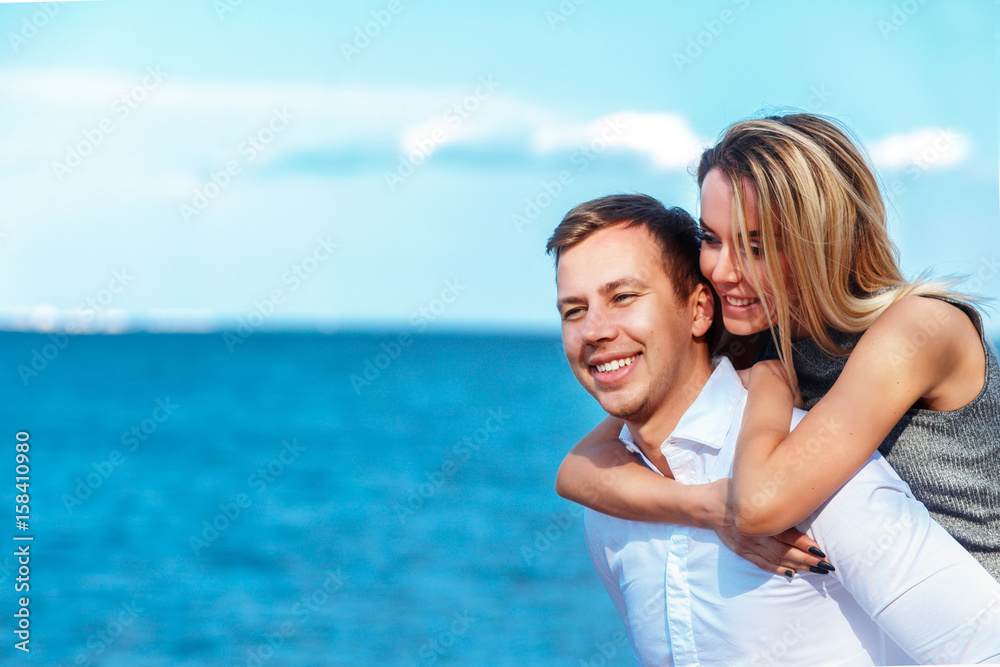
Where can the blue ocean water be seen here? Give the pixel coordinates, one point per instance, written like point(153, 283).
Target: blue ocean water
point(299, 499)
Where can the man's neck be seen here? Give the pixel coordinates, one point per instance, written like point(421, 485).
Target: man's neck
point(650, 433)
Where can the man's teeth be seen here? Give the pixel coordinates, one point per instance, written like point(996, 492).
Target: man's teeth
point(616, 364)
point(740, 302)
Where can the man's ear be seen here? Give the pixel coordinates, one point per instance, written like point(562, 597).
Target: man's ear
point(703, 307)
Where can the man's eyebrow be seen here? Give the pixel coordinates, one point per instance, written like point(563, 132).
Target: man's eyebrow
point(626, 281)
point(567, 300)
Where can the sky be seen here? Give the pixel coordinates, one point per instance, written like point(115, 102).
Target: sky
point(399, 165)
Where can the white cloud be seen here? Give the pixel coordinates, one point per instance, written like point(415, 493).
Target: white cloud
point(46, 318)
point(926, 148)
point(174, 124)
point(495, 119)
point(667, 140)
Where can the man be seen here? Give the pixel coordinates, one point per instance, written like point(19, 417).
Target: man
point(636, 318)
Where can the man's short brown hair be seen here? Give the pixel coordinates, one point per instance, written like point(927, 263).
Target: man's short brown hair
point(673, 228)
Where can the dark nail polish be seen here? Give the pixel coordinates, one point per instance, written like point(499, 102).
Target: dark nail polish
point(818, 570)
point(826, 566)
point(816, 552)
point(789, 574)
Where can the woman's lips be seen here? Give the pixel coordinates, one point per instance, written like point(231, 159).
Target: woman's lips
point(737, 302)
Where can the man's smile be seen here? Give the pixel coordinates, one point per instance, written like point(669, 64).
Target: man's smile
point(610, 370)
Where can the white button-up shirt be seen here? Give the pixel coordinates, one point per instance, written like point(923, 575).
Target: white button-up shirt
point(904, 590)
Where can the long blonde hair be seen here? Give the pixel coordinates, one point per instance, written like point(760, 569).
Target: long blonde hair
point(817, 199)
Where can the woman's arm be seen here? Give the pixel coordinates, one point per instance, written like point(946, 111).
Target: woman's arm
point(599, 473)
point(920, 351)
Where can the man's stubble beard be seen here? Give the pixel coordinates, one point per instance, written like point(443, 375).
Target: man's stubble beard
point(637, 410)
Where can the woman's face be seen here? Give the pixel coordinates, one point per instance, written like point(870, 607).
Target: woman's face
point(722, 260)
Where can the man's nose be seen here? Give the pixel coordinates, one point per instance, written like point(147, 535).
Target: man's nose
point(599, 326)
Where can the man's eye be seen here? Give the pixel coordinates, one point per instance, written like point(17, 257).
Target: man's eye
point(624, 298)
point(571, 313)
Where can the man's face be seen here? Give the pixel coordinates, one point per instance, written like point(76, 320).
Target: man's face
point(627, 336)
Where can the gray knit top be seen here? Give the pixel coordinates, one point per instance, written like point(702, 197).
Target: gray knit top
point(951, 460)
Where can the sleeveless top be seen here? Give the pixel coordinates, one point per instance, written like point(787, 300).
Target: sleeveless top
point(950, 460)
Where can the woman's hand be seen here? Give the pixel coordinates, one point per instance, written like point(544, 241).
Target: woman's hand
point(783, 553)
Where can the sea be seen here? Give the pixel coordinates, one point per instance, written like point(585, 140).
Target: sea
point(354, 498)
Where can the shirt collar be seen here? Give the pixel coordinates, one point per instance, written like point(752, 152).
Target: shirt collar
point(709, 419)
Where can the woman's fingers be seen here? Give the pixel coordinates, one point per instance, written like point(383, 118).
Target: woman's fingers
point(773, 555)
point(803, 549)
point(768, 566)
point(783, 554)
point(798, 539)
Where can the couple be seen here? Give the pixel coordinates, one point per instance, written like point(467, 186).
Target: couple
point(793, 239)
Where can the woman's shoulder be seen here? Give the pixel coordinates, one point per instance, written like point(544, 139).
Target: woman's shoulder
point(930, 323)
point(930, 344)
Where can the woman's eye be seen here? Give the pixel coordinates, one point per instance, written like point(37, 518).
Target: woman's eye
point(708, 239)
point(755, 250)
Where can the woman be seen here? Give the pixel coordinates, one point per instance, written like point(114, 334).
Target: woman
point(795, 243)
